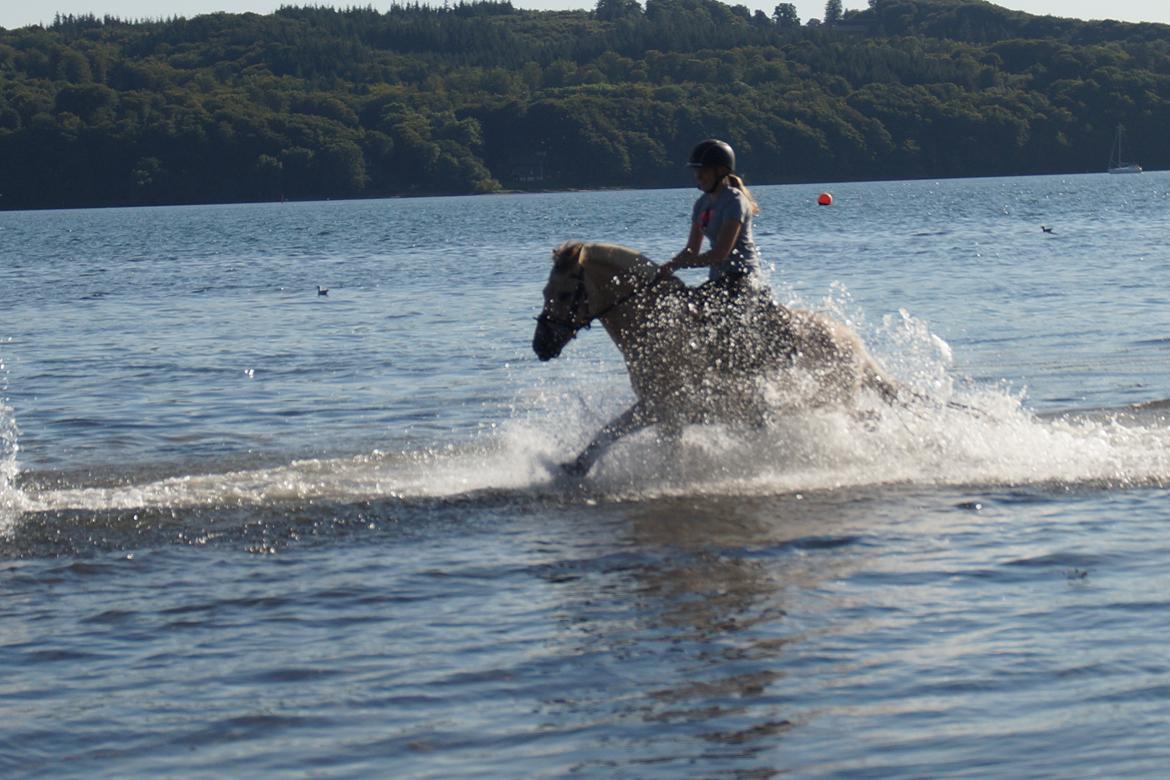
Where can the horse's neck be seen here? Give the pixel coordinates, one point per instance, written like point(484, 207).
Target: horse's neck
point(626, 293)
point(614, 272)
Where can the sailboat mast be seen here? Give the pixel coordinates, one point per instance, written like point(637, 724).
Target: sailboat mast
point(1117, 164)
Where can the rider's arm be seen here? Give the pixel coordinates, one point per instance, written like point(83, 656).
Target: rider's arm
point(695, 239)
point(724, 243)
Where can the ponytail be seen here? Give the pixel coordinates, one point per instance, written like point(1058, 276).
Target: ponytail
point(735, 181)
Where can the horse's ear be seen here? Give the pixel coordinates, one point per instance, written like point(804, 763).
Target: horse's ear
point(569, 256)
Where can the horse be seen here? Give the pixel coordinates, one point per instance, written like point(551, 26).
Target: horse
point(698, 355)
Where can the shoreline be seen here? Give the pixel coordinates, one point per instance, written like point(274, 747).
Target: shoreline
point(549, 191)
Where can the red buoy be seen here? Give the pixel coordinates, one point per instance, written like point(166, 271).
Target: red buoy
point(825, 199)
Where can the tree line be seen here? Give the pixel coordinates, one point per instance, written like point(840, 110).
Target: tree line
point(477, 97)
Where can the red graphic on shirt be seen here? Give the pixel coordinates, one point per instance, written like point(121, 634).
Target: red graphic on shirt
point(705, 219)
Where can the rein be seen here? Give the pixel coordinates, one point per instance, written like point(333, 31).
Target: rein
point(580, 296)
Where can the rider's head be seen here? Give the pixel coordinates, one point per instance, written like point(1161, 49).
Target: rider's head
point(712, 161)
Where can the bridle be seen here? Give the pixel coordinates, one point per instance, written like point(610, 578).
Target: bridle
point(581, 298)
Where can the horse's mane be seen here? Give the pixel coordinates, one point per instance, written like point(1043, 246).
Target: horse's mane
point(571, 255)
point(567, 256)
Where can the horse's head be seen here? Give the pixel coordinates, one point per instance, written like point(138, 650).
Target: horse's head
point(566, 307)
point(588, 282)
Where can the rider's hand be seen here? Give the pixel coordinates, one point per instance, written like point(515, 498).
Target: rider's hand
point(678, 261)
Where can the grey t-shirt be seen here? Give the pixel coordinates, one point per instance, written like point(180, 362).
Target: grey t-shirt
point(711, 211)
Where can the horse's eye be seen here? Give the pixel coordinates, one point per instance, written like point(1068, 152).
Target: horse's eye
point(564, 297)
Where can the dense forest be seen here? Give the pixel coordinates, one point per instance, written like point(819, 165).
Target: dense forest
point(313, 102)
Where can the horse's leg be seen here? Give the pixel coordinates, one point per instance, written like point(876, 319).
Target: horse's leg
point(632, 419)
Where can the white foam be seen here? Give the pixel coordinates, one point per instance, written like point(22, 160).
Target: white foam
point(375, 476)
point(940, 446)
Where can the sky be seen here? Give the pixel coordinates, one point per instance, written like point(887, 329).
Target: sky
point(19, 13)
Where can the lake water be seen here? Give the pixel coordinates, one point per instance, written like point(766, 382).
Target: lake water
point(247, 530)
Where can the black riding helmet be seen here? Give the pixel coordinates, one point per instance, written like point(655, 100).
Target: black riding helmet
point(712, 152)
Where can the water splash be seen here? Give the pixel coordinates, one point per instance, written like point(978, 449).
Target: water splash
point(953, 433)
point(950, 432)
point(428, 473)
point(994, 443)
point(10, 497)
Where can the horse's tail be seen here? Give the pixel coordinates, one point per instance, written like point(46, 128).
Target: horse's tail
point(873, 379)
point(891, 392)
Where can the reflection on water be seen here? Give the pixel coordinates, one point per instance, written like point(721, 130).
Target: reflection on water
point(680, 616)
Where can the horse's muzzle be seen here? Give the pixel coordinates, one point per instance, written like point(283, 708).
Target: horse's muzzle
point(550, 338)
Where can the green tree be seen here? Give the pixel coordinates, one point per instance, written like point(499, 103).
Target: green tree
point(315, 102)
point(611, 10)
point(833, 11)
point(786, 17)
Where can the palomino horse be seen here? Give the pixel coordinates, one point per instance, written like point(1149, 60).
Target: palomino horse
point(697, 355)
